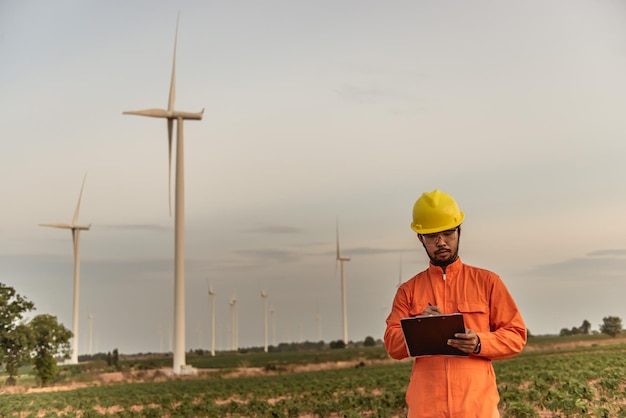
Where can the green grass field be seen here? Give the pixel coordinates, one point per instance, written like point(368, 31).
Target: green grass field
point(558, 381)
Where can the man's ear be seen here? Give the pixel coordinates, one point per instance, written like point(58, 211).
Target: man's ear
point(419, 237)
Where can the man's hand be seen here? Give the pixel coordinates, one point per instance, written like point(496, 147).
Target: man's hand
point(431, 310)
point(467, 342)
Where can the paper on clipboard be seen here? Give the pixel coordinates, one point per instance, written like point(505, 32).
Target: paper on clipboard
point(429, 335)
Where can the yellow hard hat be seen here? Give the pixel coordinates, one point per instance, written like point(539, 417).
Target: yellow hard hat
point(435, 211)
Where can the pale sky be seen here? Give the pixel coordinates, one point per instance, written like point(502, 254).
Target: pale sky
point(315, 111)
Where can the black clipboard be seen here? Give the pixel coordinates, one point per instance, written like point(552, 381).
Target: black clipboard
point(429, 335)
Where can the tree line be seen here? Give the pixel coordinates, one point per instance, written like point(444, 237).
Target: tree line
point(611, 325)
point(38, 341)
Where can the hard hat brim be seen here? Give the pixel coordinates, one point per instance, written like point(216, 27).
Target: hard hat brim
point(420, 230)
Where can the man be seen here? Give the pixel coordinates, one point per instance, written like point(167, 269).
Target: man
point(454, 386)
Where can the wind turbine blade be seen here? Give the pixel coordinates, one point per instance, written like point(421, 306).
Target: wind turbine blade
point(170, 122)
point(64, 226)
point(79, 198)
point(338, 253)
point(338, 256)
point(170, 104)
point(170, 127)
point(153, 113)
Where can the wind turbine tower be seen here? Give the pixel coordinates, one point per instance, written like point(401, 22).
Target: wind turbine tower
point(172, 115)
point(235, 331)
point(212, 303)
point(264, 297)
point(344, 308)
point(75, 228)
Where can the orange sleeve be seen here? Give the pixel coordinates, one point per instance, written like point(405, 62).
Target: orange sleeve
point(508, 331)
point(394, 338)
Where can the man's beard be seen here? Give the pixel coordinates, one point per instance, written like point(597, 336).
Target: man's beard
point(446, 262)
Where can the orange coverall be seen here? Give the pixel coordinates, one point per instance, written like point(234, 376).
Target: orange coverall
point(458, 387)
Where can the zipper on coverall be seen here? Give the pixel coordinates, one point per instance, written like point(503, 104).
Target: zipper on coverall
point(446, 360)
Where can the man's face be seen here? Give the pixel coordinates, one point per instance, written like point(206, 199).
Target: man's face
point(441, 246)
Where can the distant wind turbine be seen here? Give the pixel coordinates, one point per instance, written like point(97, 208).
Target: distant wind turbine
point(264, 297)
point(75, 228)
point(212, 303)
point(179, 225)
point(235, 331)
point(344, 308)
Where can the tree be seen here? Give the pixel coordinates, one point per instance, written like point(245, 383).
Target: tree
point(585, 327)
point(369, 342)
point(565, 332)
point(18, 344)
point(50, 339)
point(611, 325)
point(116, 358)
point(337, 344)
point(14, 341)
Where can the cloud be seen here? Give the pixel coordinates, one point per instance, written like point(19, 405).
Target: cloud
point(587, 270)
point(138, 227)
point(273, 255)
point(274, 230)
point(600, 253)
point(309, 244)
point(367, 251)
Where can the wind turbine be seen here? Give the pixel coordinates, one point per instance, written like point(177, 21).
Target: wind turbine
point(273, 318)
point(235, 331)
point(212, 302)
point(75, 228)
point(264, 297)
point(344, 308)
point(179, 224)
